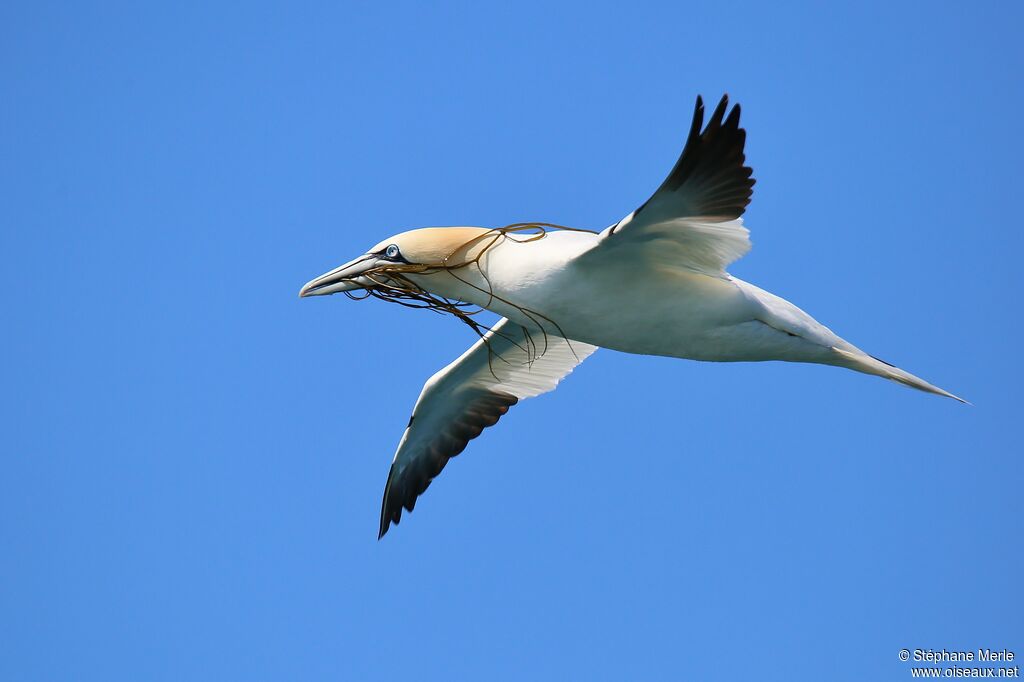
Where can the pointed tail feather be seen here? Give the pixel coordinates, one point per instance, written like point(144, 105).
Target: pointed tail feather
point(862, 362)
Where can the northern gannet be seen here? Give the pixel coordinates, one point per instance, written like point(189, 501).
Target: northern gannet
point(654, 283)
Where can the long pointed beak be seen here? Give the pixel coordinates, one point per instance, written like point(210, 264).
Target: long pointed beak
point(344, 278)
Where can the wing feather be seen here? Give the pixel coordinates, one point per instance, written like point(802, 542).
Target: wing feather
point(473, 392)
point(709, 180)
point(693, 219)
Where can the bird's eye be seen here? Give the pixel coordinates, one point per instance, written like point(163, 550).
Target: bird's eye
point(391, 251)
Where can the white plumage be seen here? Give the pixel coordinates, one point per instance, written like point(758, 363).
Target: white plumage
point(653, 283)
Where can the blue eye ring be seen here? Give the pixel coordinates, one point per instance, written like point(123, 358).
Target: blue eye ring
point(392, 251)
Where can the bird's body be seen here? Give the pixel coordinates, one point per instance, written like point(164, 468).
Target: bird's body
point(674, 312)
point(654, 283)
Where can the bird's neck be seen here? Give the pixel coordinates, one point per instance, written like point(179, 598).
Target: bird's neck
point(513, 274)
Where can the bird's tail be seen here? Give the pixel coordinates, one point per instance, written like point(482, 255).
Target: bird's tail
point(862, 362)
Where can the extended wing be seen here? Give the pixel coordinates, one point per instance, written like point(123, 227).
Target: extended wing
point(510, 363)
point(693, 219)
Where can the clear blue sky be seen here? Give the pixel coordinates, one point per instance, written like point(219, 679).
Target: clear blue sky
point(193, 458)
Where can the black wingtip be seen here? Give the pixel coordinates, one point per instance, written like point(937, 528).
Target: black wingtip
point(715, 122)
point(385, 524)
point(385, 520)
point(716, 118)
point(710, 168)
point(696, 124)
point(733, 119)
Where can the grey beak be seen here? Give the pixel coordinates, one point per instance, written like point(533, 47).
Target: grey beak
point(344, 278)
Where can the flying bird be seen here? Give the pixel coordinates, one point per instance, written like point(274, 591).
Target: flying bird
point(653, 283)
